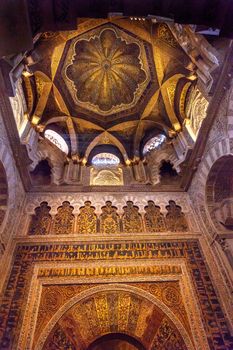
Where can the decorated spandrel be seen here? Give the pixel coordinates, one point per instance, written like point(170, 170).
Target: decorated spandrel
point(64, 220)
point(109, 219)
point(59, 340)
point(87, 219)
point(131, 219)
point(175, 219)
point(167, 337)
point(154, 219)
point(41, 220)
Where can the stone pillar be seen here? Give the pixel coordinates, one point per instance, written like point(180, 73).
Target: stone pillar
point(72, 172)
point(139, 171)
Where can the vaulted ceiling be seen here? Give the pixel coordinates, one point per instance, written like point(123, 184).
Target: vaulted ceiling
point(108, 82)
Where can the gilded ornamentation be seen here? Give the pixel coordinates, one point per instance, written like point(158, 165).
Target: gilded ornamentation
point(123, 309)
point(167, 338)
point(165, 35)
point(60, 340)
point(175, 219)
point(87, 219)
point(111, 270)
point(26, 256)
point(154, 219)
point(106, 71)
point(131, 219)
point(86, 327)
point(109, 176)
point(111, 222)
point(39, 85)
point(64, 220)
point(196, 109)
point(41, 220)
point(109, 219)
point(171, 296)
point(113, 311)
point(101, 304)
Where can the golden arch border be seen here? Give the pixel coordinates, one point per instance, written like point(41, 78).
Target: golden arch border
point(114, 287)
point(29, 321)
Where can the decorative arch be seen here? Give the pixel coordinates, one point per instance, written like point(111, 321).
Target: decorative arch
point(108, 139)
point(158, 312)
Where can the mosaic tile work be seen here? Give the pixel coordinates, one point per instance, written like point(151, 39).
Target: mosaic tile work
point(53, 297)
point(26, 255)
point(115, 311)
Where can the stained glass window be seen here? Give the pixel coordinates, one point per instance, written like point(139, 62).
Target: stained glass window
point(105, 159)
point(153, 143)
point(57, 140)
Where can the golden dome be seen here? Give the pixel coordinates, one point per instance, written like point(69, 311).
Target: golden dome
point(106, 71)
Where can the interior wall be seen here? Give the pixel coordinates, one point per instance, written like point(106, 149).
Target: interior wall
point(219, 144)
point(53, 271)
point(15, 196)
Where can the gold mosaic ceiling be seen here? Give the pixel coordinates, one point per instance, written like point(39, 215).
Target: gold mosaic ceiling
point(108, 82)
point(104, 70)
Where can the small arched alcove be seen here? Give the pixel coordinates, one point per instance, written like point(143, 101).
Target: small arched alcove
point(219, 193)
point(41, 175)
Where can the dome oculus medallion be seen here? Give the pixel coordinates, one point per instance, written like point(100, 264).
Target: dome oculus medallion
point(106, 71)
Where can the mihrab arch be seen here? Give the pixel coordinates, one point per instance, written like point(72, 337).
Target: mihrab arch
point(119, 310)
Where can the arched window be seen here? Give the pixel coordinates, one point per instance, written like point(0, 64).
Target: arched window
point(105, 159)
point(57, 140)
point(153, 143)
point(105, 170)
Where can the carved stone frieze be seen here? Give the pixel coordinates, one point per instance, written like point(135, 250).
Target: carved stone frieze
point(87, 222)
point(175, 219)
point(154, 219)
point(64, 220)
point(109, 219)
point(41, 221)
point(131, 219)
